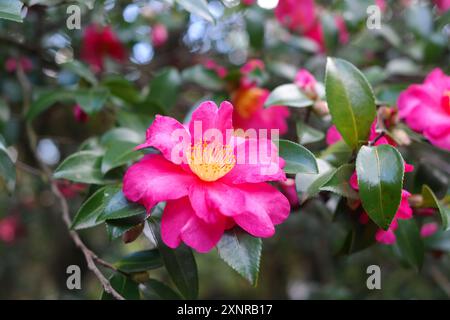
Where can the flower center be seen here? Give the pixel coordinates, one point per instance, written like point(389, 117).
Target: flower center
point(247, 101)
point(445, 101)
point(212, 161)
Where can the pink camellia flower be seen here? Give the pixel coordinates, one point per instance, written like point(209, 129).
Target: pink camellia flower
point(306, 81)
point(249, 112)
point(426, 108)
point(98, 43)
point(25, 63)
point(381, 4)
point(221, 71)
point(248, 2)
point(159, 35)
point(70, 190)
point(247, 70)
point(9, 229)
point(344, 36)
point(403, 212)
point(298, 16)
point(79, 114)
point(443, 5)
point(209, 184)
point(428, 229)
point(290, 191)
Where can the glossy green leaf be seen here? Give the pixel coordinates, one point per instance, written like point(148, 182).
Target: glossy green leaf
point(11, 10)
point(410, 243)
point(122, 134)
point(140, 261)
point(91, 100)
point(242, 252)
point(380, 172)
point(81, 70)
point(117, 227)
point(46, 99)
point(82, 166)
point(203, 77)
point(118, 207)
point(7, 169)
point(164, 88)
point(118, 154)
point(123, 89)
point(431, 201)
point(182, 268)
point(126, 287)
point(350, 100)
point(297, 158)
point(156, 290)
point(288, 95)
point(197, 7)
point(339, 182)
point(307, 134)
point(92, 208)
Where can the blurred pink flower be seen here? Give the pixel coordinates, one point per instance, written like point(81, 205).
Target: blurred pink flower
point(290, 191)
point(246, 71)
point(248, 2)
point(381, 4)
point(221, 71)
point(250, 113)
point(70, 190)
point(305, 81)
point(10, 229)
point(203, 199)
point(98, 43)
point(298, 16)
point(426, 108)
point(25, 63)
point(159, 35)
point(443, 5)
point(79, 114)
point(428, 229)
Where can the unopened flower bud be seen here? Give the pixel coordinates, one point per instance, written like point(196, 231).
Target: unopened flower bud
point(401, 137)
point(133, 233)
point(321, 108)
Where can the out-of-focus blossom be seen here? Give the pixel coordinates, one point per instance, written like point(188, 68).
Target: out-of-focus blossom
point(426, 108)
point(10, 229)
point(250, 112)
point(248, 69)
point(428, 229)
point(159, 35)
point(79, 114)
point(70, 190)
point(215, 187)
point(381, 4)
point(248, 2)
point(306, 82)
point(221, 71)
point(344, 36)
point(442, 5)
point(12, 63)
point(100, 42)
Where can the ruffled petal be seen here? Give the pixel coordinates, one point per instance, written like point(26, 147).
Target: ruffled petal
point(207, 116)
point(168, 136)
point(154, 179)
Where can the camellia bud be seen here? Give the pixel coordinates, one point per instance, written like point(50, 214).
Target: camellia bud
point(415, 200)
point(401, 137)
point(321, 108)
point(133, 233)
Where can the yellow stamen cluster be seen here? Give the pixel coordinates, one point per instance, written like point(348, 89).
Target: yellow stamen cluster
point(212, 161)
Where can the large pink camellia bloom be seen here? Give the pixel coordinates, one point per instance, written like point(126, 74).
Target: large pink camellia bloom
point(403, 212)
point(426, 108)
point(209, 185)
point(98, 43)
point(443, 5)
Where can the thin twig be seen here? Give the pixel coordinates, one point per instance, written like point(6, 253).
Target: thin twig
point(90, 256)
point(25, 167)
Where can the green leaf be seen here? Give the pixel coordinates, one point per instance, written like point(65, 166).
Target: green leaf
point(288, 95)
point(82, 166)
point(126, 287)
point(91, 100)
point(197, 7)
point(118, 207)
point(309, 184)
point(181, 266)
point(242, 252)
point(155, 290)
point(350, 100)
point(81, 70)
point(420, 19)
point(339, 182)
point(330, 31)
point(431, 201)
point(380, 179)
point(117, 227)
point(297, 157)
point(140, 261)
point(46, 100)
point(7, 169)
point(164, 88)
point(307, 134)
point(11, 10)
point(203, 77)
point(123, 89)
point(118, 154)
point(410, 243)
point(121, 134)
point(92, 208)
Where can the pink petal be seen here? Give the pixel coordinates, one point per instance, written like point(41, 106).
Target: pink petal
point(207, 116)
point(333, 135)
point(154, 179)
point(428, 229)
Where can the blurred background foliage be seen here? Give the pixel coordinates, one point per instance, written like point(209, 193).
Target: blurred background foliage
point(300, 261)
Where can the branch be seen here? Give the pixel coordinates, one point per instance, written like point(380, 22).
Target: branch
point(90, 256)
